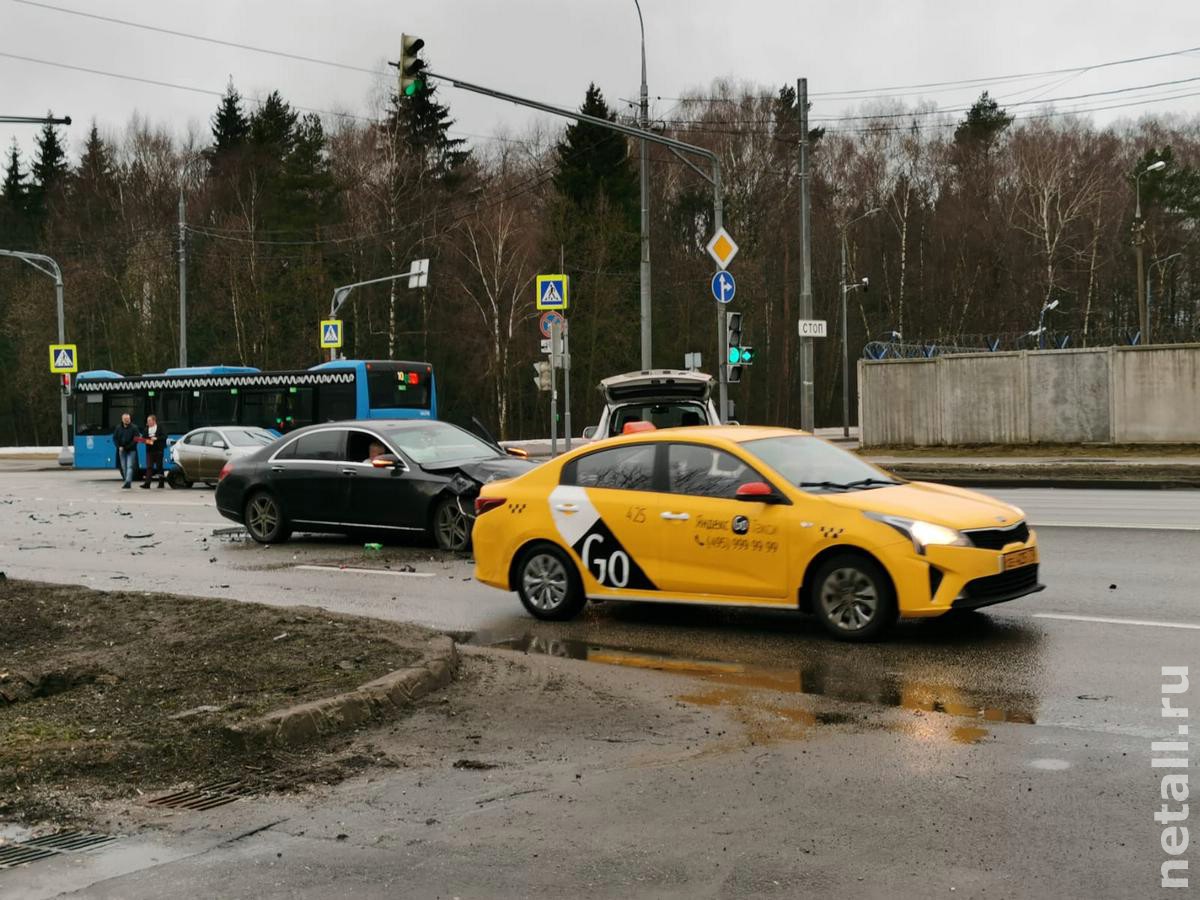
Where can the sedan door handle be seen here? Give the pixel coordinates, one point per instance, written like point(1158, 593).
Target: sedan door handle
point(349, 472)
point(675, 517)
point(276, 468)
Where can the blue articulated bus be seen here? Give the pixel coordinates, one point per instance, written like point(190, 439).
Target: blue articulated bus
point(198, 396)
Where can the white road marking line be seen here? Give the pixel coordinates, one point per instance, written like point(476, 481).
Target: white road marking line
point(365, 571)
point(1114, 525)
point(1111, 621)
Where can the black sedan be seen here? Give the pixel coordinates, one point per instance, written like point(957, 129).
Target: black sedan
point(405, 477)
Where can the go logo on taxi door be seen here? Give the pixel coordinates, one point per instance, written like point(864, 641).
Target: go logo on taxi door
point(609, 562)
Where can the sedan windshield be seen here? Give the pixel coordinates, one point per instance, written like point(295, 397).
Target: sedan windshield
point(249, 437)
point(434, 443)
point(812, 464)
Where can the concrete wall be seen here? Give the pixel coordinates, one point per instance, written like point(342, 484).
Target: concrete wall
point(1100, 395)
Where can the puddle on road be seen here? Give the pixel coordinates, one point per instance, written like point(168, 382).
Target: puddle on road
point(741, 687)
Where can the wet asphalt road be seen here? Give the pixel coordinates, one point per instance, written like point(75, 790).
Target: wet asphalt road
point(1059, 690)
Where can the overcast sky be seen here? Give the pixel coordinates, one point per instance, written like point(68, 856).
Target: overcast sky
point(551, 49)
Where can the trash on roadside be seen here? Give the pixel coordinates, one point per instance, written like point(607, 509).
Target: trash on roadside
point(138, 537)
point(373, 549)
point(280, 637)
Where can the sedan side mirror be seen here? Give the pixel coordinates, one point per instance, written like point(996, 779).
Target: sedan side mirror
point(387, 461)
point(518, 452)
point(758, 491)
point(589, 432)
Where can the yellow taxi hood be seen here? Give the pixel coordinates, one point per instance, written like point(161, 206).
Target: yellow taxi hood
point(937, 503)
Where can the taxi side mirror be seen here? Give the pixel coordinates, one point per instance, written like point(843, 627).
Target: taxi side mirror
point(758, 491)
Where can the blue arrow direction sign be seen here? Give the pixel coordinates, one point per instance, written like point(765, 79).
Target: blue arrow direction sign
point(723, 286)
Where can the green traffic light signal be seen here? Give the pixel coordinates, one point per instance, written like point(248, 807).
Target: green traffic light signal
point(412, 87)
point(735, 355)
point(747, 355)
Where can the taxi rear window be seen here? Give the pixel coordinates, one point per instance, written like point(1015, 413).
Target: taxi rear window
point(628, 468)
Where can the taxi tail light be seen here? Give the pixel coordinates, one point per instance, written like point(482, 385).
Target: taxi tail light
point(483, 504)
point(225, 470)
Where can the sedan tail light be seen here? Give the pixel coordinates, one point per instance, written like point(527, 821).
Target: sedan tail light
point(483, 504)
point(225, 470)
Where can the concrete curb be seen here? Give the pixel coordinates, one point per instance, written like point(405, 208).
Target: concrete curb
point(376, 699)
point(1077, 475)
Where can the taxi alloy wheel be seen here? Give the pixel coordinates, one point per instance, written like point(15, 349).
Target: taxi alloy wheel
point(264, 519)
point(853, 598)
point(548, 584)
point(451, 529)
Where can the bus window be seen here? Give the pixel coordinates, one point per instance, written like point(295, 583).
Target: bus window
point(298, 411)
point(171, 409)
point(262, 409)
point(213, 406)
point(403, 389)
point(336, 401)
point(118, 405)
point(89, 414)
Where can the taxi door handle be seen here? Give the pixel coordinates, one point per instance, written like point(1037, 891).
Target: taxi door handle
point(566, 507)
point(675, 517)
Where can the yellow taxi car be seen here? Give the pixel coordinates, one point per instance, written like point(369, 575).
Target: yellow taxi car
point(747, 516)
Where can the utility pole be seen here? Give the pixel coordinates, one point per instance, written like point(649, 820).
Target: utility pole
point(807, 393)
point(182, 281)
point(645, 179)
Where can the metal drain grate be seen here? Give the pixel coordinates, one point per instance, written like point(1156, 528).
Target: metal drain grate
point(19, 853)
point(206, 796)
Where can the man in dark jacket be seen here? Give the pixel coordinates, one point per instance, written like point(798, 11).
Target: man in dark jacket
point(125, 437)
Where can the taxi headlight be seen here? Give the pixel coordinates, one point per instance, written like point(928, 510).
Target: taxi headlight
point(922, 534)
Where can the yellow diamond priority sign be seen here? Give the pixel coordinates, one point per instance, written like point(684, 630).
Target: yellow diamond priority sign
point(722, 248)
point(63, 358)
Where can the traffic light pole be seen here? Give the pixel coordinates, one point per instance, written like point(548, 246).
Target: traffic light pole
point(642, 135)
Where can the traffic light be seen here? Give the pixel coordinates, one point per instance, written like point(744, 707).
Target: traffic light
point(542, 375)
point(733, 345)
point(66, 384)
point(411, 65)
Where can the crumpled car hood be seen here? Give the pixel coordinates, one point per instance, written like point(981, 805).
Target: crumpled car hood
point(484, 470)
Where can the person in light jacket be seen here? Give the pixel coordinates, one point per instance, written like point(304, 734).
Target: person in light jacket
point(155, 439)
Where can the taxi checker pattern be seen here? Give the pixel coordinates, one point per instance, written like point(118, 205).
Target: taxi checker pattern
point(581, 528)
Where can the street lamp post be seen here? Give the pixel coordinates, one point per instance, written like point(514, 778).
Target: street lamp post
point(644, 268)
point(183, 355)
point(48, 266)
point(1041, 329)
point(845, 288)
point(1139, 239)
point(1161, 263)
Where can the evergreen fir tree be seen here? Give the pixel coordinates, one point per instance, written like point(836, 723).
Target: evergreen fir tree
point(984, 124)
point(230, 128)
point(309, 188)
point(272, 128)
point(423, 124)
point(13, 198)
point(95, 166)
point(49, 169)
point(594, 162)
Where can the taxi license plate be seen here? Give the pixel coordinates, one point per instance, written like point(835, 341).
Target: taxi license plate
point(1018, 558)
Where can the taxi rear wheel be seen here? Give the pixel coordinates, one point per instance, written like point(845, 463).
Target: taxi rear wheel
point(853, 597)
point(548, 584)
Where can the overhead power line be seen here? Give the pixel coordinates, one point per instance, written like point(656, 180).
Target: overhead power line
point(167, 84)
point(208, 40)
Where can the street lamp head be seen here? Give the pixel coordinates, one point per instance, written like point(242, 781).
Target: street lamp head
point(866, 282)
point(1157, 166)
point(1053, 304)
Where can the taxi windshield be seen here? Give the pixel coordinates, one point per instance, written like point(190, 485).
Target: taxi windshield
point(812, 464)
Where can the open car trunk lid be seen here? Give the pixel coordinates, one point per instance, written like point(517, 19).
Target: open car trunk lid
point(657, 384)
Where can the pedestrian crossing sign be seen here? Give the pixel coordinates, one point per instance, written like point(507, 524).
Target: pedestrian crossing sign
point(331, 333)
point(63, 358)
point(552, 292)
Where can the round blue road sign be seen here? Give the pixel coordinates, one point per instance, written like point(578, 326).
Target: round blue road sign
point(723, 286)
